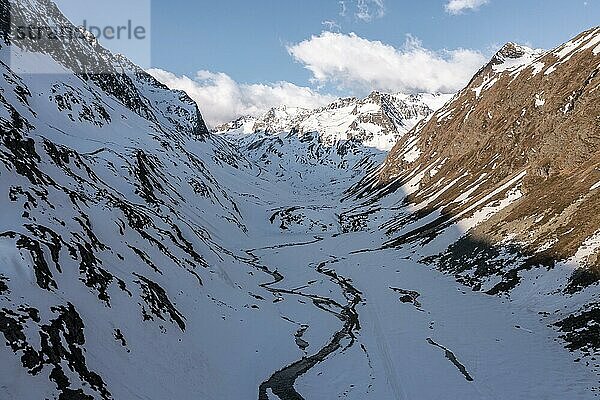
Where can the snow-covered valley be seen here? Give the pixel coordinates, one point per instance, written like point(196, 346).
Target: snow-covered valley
point(391, 309)
point(398, 328)
point(144, 257)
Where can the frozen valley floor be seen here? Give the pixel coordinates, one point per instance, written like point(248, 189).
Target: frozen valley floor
point(378, 324)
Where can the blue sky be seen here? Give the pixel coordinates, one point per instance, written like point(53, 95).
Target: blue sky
point(246, 39)
point(240, 57)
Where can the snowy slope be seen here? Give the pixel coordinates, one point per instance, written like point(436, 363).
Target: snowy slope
point(115, 218)
point(144, 257)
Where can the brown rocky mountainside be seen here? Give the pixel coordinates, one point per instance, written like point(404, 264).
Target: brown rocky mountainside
point(509, 171)
point(527, 126)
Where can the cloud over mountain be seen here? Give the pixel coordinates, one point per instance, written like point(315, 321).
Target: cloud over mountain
point(358, 64)
point(222, 99)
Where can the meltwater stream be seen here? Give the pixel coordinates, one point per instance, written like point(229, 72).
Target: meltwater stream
point(282, 382)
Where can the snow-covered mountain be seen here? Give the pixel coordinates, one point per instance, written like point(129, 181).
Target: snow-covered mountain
point(514, 161)
point(377, 121)
point(142, 256)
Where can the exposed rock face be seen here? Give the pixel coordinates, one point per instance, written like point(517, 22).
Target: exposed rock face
point(525, 113)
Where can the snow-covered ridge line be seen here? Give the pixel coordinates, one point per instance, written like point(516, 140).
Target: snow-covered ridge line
point(85, 57)
point(377, 121)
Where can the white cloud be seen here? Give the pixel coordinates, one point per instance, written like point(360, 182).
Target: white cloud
point(331, 25)
point(361, 65)
point(459, 6)
point(369, 10)
point(364, 10)
point(222, 99)
point(344, 8)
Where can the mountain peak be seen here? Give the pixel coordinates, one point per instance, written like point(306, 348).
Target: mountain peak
point(513, 50)
point(513, 54)
point(375, 94)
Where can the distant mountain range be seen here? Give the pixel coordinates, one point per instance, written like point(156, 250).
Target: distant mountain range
point(378, 120)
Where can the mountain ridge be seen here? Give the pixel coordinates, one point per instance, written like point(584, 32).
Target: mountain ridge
point(378, 120)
